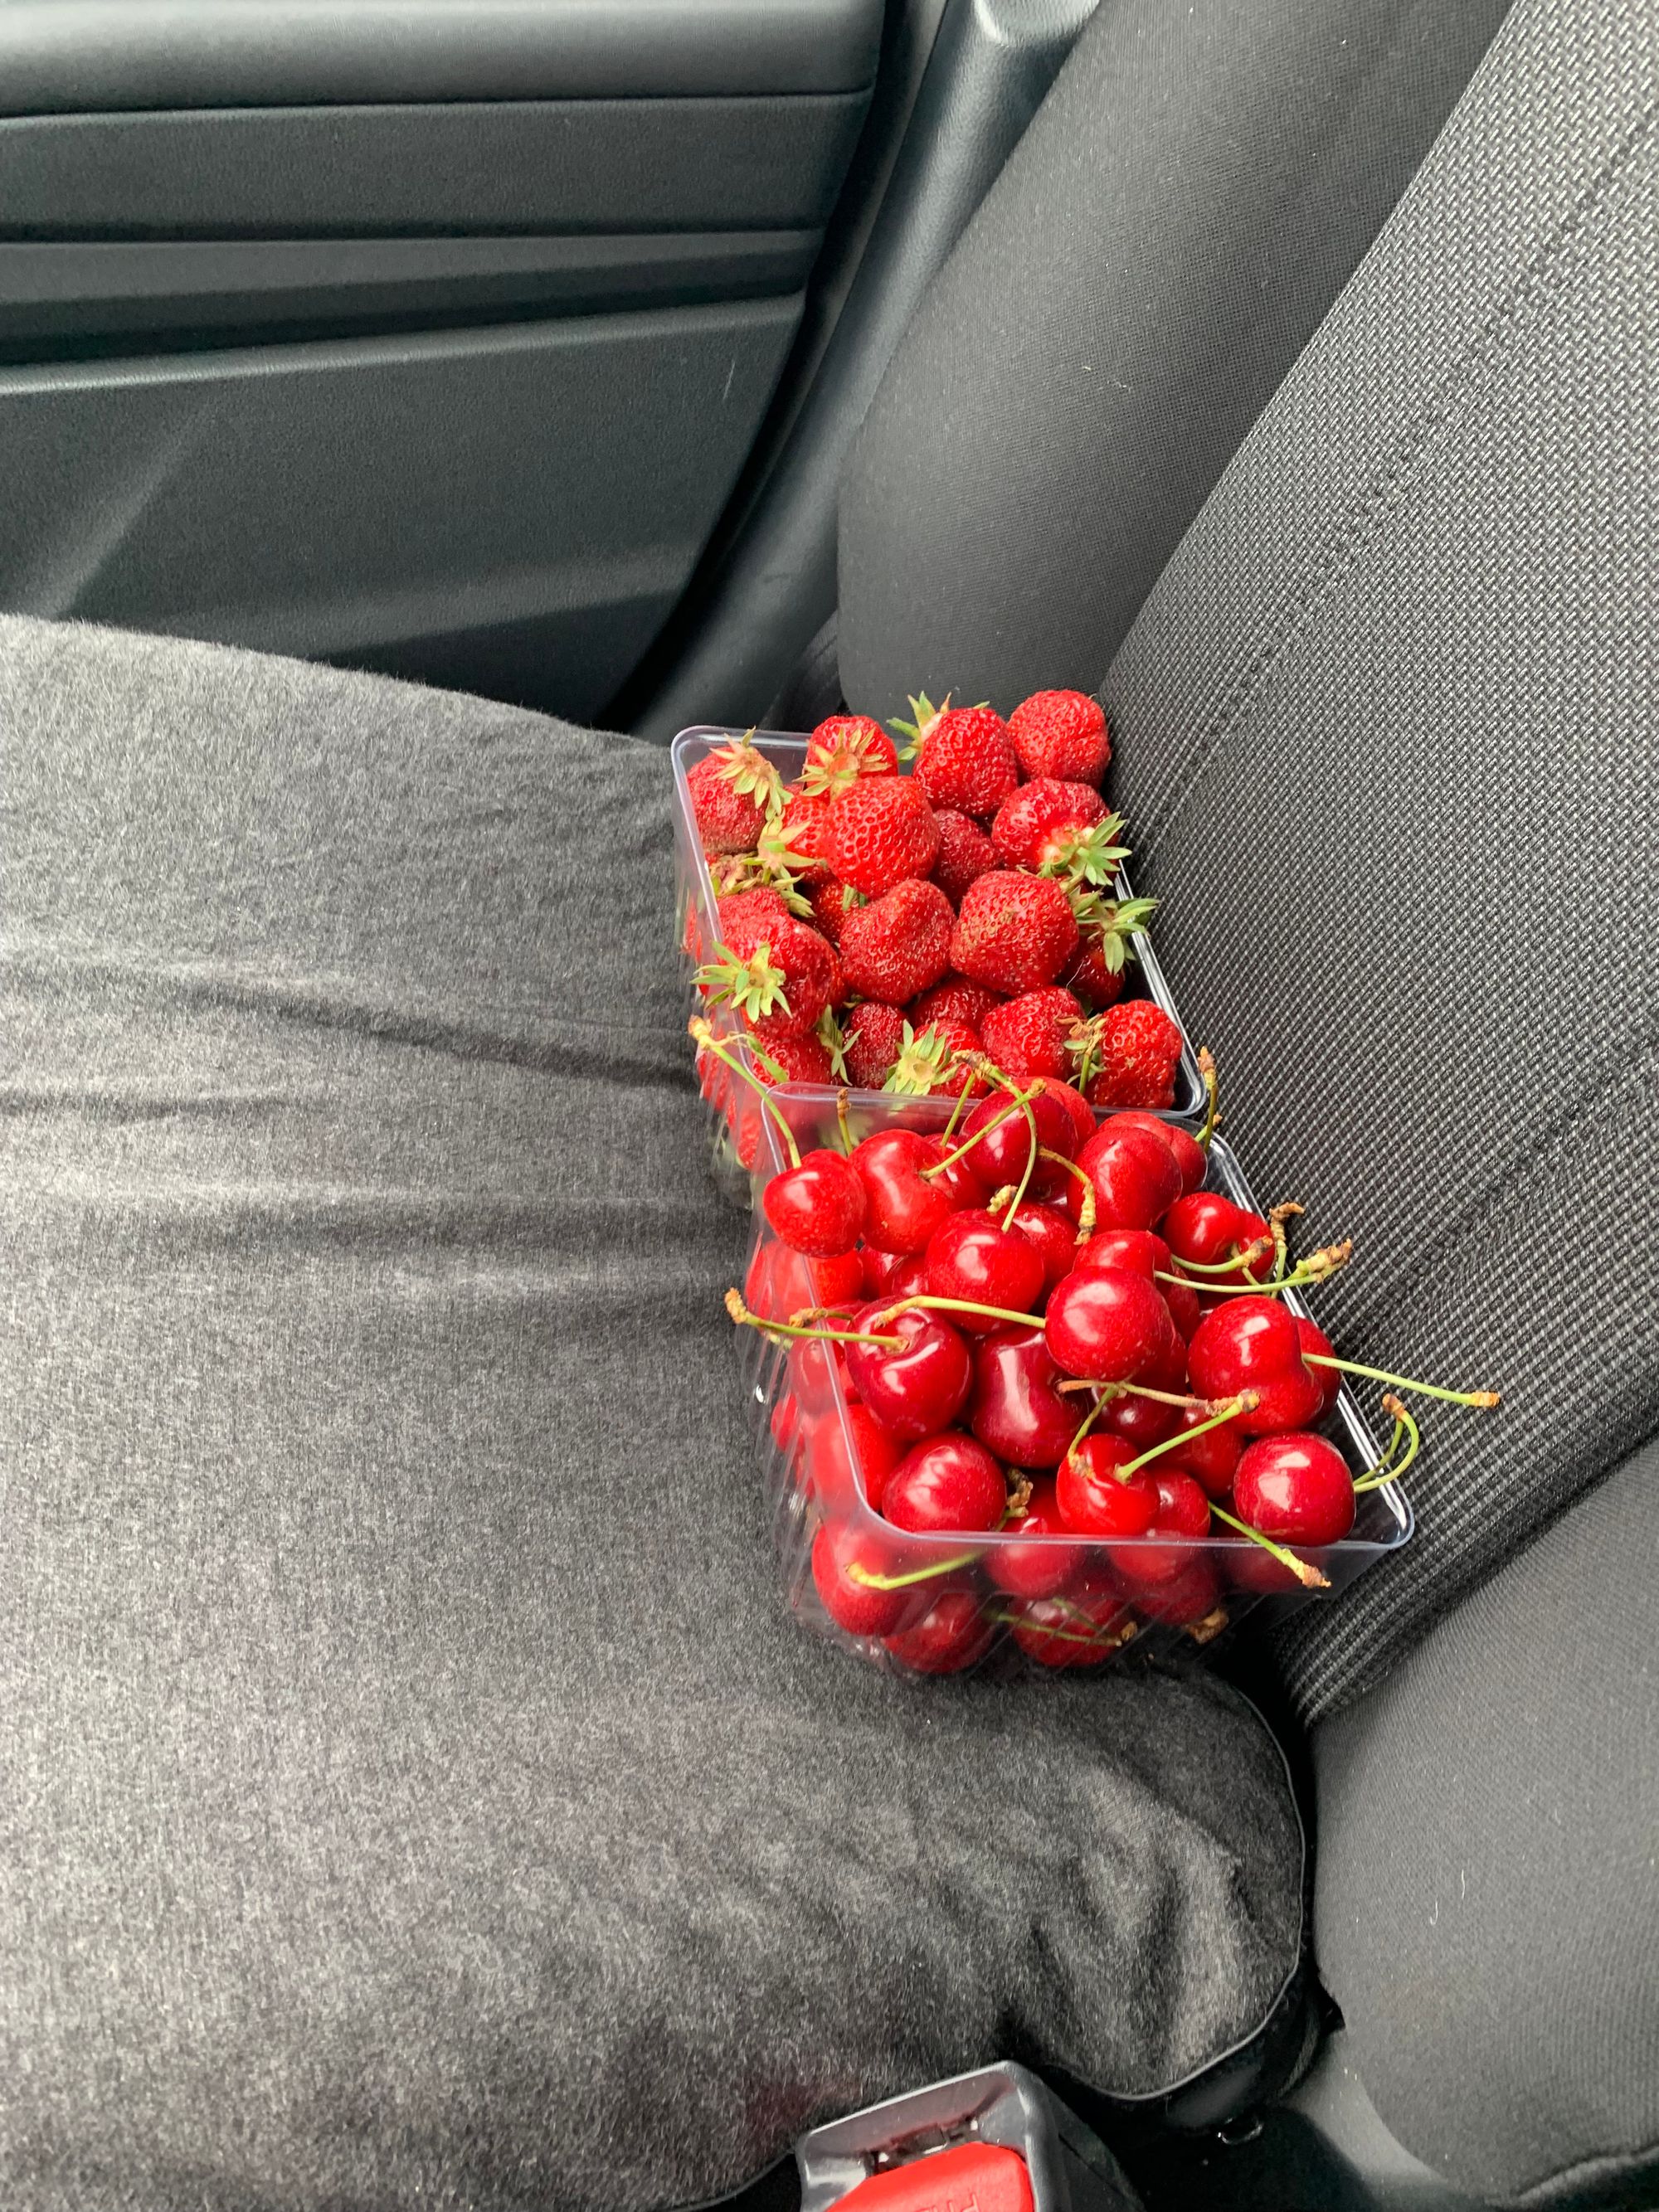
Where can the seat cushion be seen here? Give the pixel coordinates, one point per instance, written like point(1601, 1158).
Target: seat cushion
point(416, 1791)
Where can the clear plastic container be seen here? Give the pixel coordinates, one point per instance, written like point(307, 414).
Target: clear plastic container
point(695, 925)
point(1103, 1603)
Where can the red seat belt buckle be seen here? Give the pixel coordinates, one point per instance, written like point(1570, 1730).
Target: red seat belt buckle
point(969, 2177)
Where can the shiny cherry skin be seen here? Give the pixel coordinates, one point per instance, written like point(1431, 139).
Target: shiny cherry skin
point(838, 1452)
point(893, 1274)
point(786, 1423)
point(1211, 1457)
point(951, 1634)
point(971, 1255)
point(999, 1158)
point(1205, 1227)
point(817, 1367)
point(1189, 1156)
point(1296, 1489)
point(1077, 1106)
point(1253, 1344)
point(1134, 1176)
point(1141, 1251)
point(1035, 1570)
point(1016, 1410)
point(1329, 1379)
point(1190, 1595)
point(1105, 1325)
point(818, 1207)
point(782, 1282)
point(903, 1206)
point(1094, 1495)
point(948, 1485)
point(1182, 1515)
point(1084, 1630)
point(1052, 1234)
point(920, 1389)
point(838, 1548)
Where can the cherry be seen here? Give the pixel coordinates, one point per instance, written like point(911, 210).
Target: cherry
point(1253, 1344)
point(1183, 1513)
point(893, 1274)
point(1134, 1176)
point(852, 1605)
point(951, 1635)
point(1188, 1597)
point(1052, 1233)
point(902, 1207)
point(1296, 1489)
point(948, 1483)
point(1035, 1570)
point(816, 1207)
point(1139, 1422)
point(1189, 1155)
point(1316, 1344)
point(842, 1460)
point(1016, 1411)
point(1095, 1498)
point(1000, 1156)
point(971, 1255)
point(815, 1367)
point(1069, 1631)
point(1247, 1566)
point(781, 1281)
point(1139, 1250)
point(1082, 1112)
point(1206, 1228)
point(919, 1390)
point(1106, 1324)
point(1209, 1457)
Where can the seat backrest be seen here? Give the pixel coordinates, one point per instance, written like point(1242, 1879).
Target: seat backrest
point(1388, 732)
point(1199, 184)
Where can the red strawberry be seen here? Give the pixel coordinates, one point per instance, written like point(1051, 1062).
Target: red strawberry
point(803, 1058)
point(734, 792)
point(1061, 734)
point(1026, 1036)
point(779, 976)
point(927, 1061)
point(841, 750)
point(875, 1037)
point(963, 757)
point(953, 1001)
point(898, 945)
point(1060, 829)
point(1095, 984)
point(879, 832)
point(1135, 1054)
point(760, 903)
point(1014, 933)
point(1105, 927)
point(831, 903)
point(964, 853)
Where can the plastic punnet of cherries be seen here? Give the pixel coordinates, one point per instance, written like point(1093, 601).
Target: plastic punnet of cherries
point(1044, 1327)
point(882, 929)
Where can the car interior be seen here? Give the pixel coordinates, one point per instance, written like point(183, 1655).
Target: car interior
point(414, 413)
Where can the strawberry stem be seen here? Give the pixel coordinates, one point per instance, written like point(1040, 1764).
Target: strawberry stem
point(1482, 1401)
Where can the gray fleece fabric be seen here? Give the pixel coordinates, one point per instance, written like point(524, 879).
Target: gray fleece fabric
point(414, 1789)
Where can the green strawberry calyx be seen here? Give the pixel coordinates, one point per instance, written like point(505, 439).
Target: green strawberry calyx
point(1112, 923)
point(923, 1063)
point(837, 768)
point(925, 719)
point(1087, 856)
point(833, 1038)
point(1083, 1041)
point(750, 774)
point(753, 987)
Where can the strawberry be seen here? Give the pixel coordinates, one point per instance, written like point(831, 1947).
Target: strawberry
point(963, 757)
point(794, 841)
point(964, 853)
point(801, 1058)
point(875, 1037)
point(1014, 933)
point(1130, 1055)
point(1094, 982)
point(1026, 1037)
point(759, 902)
point(954, 1001)
point(926, 1061)
point(1061, 734)
point(841, 751)
point(1060, 829)
point(898, 945)
point(832, 902)
point(879, 832)
point(734, 792)
point(779, 976)
point(1105, 927)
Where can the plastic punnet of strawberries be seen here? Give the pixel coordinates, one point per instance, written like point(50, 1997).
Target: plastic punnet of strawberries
point(882, 929)
point(1029, 1326)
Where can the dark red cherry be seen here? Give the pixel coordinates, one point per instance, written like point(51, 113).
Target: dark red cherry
point(1182, 1515)
point(1296, 1489)
point(949, 1484)
point(1016, 1411)
point(902, 1206)
point(1141, 1251)
point(920, 1389)
point(1253, 1344)
point(1190, 1595)
point(818, 1207)
point(1138, 1422)
point(1205, 1227)
point(999, 1159)
point(972, 1256)
point(1036, 1568)
point(839, 1546)
point(1106, 1324)
point(1209, 1457)
point(1094, 1495)
point(1052, 1234)
point(950, 1635)
point(893, 1274)
point(1084, 1630)
point(1191, 1157)
point(1134, 1176)
point(837, 1448)
point(1314, 1341)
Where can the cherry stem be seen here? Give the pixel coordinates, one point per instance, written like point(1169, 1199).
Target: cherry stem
point(705, 1040)
point(1109, 1638)
point(1206, 1068)
point(1245, 1256)
point(843, 1122)
point(855, 1573)
point(1318, 1268)
point(1085, 1212)
point(1032, 1151)
point(1305, 1573)
point(1021, 1100)
point(1482, 1401)
point(744, 1319)
point(1087, 1423)
point(958, 1305)
point(949, 1130)
point(1389, 1468)
point(1143, 1390)
point(1245, 1402)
